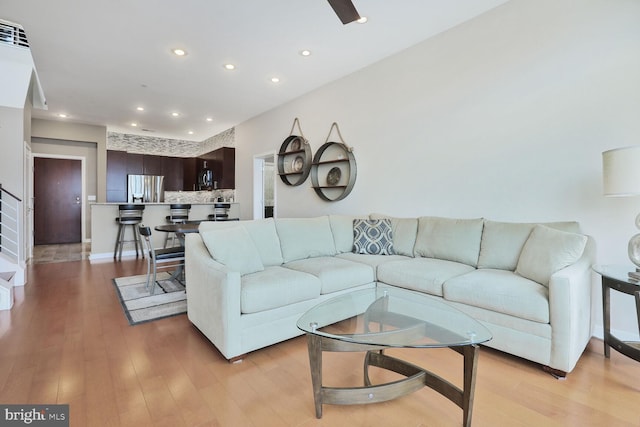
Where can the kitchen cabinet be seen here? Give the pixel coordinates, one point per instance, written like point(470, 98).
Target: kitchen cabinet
point(223, 164)
point(116, 176)
point(180, 174)
point(172, 169)
point(135, 164)
point(190, 174)
point(152, 165)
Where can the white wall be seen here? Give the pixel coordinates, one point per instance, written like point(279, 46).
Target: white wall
point(12, 147)
point(503, 117)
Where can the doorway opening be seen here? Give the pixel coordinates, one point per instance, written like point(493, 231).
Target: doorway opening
point(264, 186)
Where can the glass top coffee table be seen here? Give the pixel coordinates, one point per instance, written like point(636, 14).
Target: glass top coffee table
point(373, 320)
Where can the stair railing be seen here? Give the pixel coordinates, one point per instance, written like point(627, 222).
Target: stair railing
point(9, 224)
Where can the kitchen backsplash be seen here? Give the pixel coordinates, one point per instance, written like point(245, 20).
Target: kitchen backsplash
point(199, 196)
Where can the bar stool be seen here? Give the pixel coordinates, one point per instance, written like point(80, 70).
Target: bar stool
point(128, 215)
point(178, 214)
point(220, 212)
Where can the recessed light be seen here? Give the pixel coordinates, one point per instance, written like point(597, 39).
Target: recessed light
point(305, 52)
point(190, 132)
point(362, 20)
point(134, 124)
point(209, 119)
point(174, 114)
point(62, 115)
point(140, 108)
point(275, 80)
point(229, 66)
point(179, 52)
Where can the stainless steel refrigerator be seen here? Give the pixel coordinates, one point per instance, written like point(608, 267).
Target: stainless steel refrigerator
point(145, 188)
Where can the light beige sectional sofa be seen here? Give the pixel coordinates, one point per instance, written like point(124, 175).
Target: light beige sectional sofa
point(530, 284)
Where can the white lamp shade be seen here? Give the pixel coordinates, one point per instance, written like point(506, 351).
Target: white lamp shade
point(621, 171)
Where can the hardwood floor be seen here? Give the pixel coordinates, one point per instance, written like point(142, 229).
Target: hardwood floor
point(67, 341)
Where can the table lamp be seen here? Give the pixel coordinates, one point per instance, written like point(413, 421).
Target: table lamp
point(621, 178)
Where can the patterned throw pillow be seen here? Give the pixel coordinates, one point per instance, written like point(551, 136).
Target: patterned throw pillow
point(372, 236)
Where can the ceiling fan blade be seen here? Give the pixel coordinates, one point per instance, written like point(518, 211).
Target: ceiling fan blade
point(345, 10)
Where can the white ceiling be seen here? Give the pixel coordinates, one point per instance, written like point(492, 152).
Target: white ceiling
point(98, 60)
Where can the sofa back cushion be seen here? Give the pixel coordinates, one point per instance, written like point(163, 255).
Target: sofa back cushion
point(302, 238)
point(234, 248)
point(404, 232)
point(342, 229)
point(262, 232)
point(548, 250)
point(502, 242)
point(449, 239)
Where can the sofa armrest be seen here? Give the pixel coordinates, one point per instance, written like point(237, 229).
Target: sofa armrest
point(570, 310)
point(213, 297)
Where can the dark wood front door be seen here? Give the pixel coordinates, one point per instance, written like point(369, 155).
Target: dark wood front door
point(57, 191)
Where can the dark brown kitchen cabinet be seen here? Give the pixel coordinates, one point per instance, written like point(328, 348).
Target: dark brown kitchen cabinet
point(190, 174)
point(180, 173)
point(116, 176)
point(152, 165)
point(172, 170)
point(223, 164)
point(135, 164)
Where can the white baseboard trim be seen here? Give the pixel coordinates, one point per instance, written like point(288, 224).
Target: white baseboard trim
point(598, 332)
point(108, 256)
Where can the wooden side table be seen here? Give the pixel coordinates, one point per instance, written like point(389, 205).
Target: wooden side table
point(617, 278)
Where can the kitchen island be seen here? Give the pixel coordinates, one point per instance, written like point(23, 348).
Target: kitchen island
point(104, 227)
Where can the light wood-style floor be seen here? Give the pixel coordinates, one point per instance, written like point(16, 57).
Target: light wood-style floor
point(67, 341)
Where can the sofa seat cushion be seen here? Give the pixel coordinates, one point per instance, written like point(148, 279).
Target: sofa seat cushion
point(276, 287)
point(421, 274)
point(500, 291)
point(373, 260)
point(335, 274)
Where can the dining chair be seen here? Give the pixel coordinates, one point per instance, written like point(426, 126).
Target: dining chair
point(164, 258)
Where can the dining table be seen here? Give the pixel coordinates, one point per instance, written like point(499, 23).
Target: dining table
point(179, 229)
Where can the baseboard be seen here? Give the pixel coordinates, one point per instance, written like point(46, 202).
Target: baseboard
point(598, 332)
point(108, 256)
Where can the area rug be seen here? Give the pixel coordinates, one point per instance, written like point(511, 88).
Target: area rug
point(169, 299)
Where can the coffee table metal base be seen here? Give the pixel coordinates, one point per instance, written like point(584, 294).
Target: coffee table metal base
point(416, 377)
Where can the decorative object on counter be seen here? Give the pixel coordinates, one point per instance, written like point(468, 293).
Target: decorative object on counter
point(621, 178)
point(335, 162)
point(294, 157)
point(205, 179)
